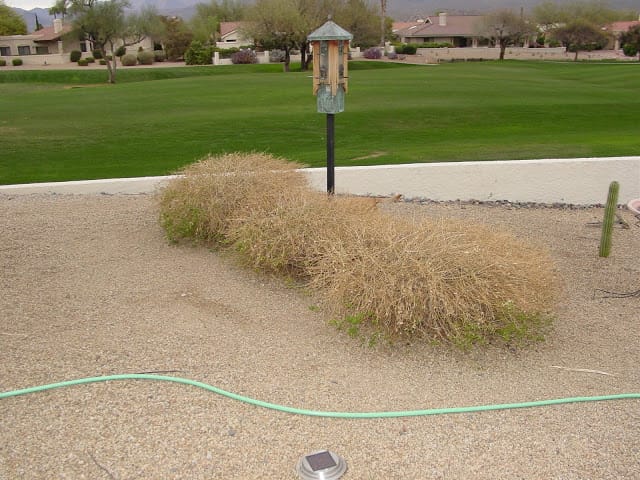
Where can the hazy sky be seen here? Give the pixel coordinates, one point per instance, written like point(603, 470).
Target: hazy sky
point(29, 4)
point(406, 4)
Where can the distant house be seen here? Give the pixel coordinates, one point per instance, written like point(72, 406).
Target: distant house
point(50, 44)
point(458, 30)
point(49, 39)
point(42, 42)
point(617, 29)
point(231, 35)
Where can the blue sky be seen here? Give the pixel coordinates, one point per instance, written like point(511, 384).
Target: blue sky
point(29, 4)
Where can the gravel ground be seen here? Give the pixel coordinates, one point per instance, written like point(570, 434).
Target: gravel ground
point(90, 287)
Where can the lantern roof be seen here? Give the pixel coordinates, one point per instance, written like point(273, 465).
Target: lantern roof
point(330, 31)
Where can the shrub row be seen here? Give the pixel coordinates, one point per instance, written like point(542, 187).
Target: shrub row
point(225, 52)
point(372, 53)
point(198, 54)
point(143, 57)
point(406, 49)
point(146, 57)
point(277, 56)
point(244, 56)
point(630, 50)
point(129, 60)
point(390, 276)
point(435, 45)
point(412, 48)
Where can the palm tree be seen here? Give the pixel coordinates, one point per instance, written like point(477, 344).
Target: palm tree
point(60, 8)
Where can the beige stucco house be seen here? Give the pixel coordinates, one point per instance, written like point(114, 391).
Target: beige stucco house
point(231, 35)
point(458, 30)
point(50, 46)
point(46, 41)
point(616, 29)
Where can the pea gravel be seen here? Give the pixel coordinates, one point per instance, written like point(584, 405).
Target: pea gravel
point(90, 287)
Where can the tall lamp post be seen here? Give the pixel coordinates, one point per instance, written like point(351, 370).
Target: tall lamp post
point(330, 44)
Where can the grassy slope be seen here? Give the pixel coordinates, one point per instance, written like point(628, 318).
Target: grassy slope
point(480, 111)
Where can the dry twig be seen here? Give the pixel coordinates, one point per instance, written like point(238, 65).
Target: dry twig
point(619, 294)
point(622, 222)
point(102, 467)
point(584, 370)
point(619, 221)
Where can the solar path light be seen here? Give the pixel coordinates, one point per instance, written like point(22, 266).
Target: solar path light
point(330, 44)
point(322, 465)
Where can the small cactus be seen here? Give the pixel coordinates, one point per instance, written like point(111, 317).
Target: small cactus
point(609, 215)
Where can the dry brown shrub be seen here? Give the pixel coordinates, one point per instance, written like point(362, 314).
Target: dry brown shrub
point(439, 279)
point(297, 231)
point(215, 192)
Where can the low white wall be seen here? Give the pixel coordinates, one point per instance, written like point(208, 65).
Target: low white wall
point(436, 55)
point(263, 57)
point(581, 181)
point(51, 59)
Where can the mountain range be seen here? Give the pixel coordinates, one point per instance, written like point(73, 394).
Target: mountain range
point(398, 9)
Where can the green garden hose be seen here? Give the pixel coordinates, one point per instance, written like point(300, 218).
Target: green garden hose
point(314, 413)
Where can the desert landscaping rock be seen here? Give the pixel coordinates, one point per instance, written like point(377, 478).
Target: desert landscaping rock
point(91, 287)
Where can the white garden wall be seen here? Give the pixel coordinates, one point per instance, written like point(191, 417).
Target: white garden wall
point(579, 181)
point(436, 55)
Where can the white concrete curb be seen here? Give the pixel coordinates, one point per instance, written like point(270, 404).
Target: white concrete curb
point(110, 186)
point(580, 181)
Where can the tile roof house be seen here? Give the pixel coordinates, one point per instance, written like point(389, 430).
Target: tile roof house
point(51, 45)
point(618, 28)
point(231, 35)
point(52, 33)
point(45, 41)
point(458, 30)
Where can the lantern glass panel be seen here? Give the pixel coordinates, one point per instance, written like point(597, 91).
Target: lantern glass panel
point(324, 60)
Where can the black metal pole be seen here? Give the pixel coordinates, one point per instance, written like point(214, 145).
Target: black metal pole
point(330, 154)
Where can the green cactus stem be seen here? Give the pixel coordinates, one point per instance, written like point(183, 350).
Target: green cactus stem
point(609, 216)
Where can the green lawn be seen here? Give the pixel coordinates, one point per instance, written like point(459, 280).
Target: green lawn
point(154, 121)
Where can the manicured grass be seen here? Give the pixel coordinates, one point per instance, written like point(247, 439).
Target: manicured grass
point(154, 121)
